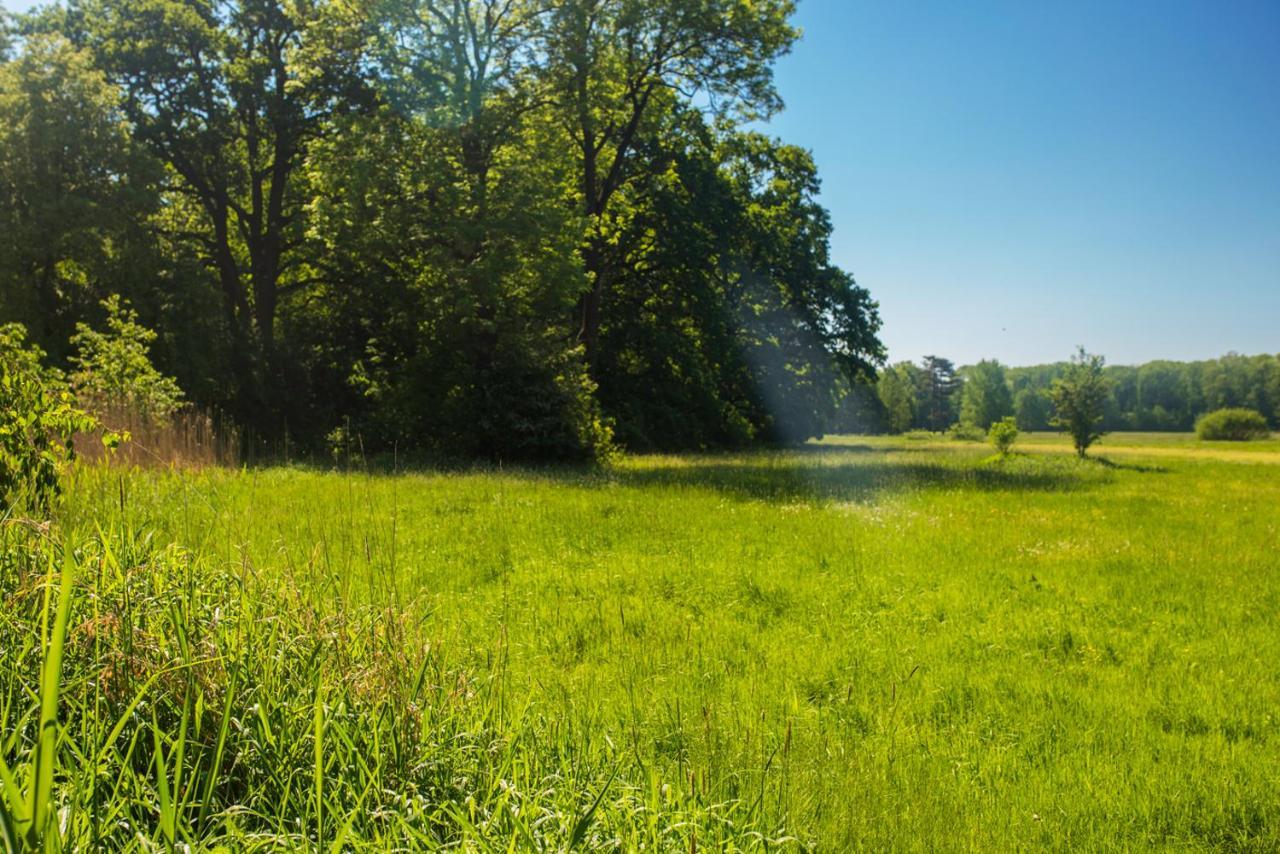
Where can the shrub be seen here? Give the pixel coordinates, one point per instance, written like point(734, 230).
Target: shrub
point(965, 433)
point(1079, 400)
point(1232, 425)
point(114, 370)
point(38, 418)
point(1003, 434)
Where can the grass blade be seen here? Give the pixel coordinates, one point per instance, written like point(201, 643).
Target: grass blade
point(41, 794)
point(584, 823)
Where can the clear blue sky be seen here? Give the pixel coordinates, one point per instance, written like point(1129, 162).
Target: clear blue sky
point(1012, 179)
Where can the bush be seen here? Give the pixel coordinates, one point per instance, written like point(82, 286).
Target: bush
point(1232, 425)
point(38, 418)
point(1003, 434)
point(114, 370)
point(965, 433)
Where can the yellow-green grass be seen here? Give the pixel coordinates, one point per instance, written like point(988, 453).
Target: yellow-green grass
point(1183, 445)
point(1154, 441)
point(864, 644)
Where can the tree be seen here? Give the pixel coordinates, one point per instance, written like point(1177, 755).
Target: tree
point(769, 331)
point(38, 419)
point(937, 385)
point(1032, 409)
point(480, 227)
point(447, 237)
point(75, 192)
point(1003, 434)
point(985, 397)
point(113, 369)
point(1163, 397)
point(229, 94)
point(612, 64)
point(861, 411)
point(897, 390)
point(1079, 400)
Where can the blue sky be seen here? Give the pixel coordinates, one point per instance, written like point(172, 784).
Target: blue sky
point(1013, 179)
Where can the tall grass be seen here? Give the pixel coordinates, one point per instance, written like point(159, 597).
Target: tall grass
point(863, 646)
point(174, 703)
point(188, 438)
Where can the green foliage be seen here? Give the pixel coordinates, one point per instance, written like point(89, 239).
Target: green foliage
point(74, 194)
point(513, 257)
point(937, 386)
point(897, 390)
point(985, 397)
point(113, 369)
point(1234, 425)
point(1163, 395)
point(960, 432)
point(265, 77)
point(770, 331)
point(28, 810)
point(861, 411)
point(1032, 409)
point(38, 418)
point(1003, 434)
point(1079, 400)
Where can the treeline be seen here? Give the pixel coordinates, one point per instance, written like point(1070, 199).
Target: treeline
point(1156, 396)
point(507, 228)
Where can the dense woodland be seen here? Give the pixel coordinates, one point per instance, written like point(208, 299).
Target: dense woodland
point(515, 229)
point(1156, 396)
point(507, 228)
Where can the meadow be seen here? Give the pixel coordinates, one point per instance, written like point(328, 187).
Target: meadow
point(861, 644)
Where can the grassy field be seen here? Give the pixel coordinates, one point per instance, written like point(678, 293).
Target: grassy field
point(872, 644)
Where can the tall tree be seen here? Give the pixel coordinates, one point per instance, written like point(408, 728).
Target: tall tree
point(473, 225)
point(216, 88)
point(75, 193)
point(1032, 409)
point(613, 63)
point(897, 390)
point(937, 387)
point(734, 326)
point(985, 397)
point(448, 236)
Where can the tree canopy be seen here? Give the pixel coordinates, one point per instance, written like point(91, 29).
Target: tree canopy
point(484, 228)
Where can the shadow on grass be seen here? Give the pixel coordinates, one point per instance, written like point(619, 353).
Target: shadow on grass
point(1111, 464)
point(776, 479)
point(815, 449)
point(821, 472)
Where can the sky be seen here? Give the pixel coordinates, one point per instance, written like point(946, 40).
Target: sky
point(1013, 179)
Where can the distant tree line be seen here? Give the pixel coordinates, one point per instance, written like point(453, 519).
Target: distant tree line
point(507, 228)
point(1156, 396)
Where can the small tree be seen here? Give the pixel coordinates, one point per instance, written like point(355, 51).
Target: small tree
point(1003, 434)
point(38, 418)
point(1079, 399)
point(113, 368)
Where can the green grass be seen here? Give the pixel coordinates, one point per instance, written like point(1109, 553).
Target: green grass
point(1159, 440)
point(864, 644)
